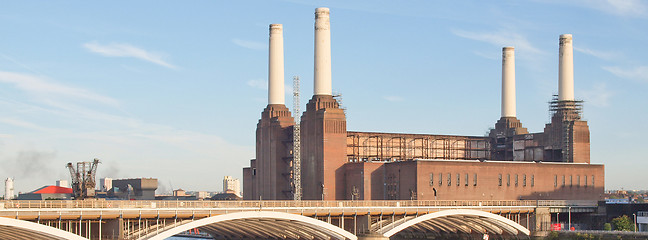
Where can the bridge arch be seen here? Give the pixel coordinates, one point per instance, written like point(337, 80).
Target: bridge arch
point(457, 220)
point(11, 229)
point(265, 224)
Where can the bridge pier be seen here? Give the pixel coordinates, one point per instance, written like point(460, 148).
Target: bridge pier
point(542, 222)
point(372, 236)
point(112, 228)
point(362, 225)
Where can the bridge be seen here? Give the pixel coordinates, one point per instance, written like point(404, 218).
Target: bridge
point(106, 219)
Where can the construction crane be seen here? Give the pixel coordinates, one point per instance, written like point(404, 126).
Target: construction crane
point(297, 193)
point(83, 179)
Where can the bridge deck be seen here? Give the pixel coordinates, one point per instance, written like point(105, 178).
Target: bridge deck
point(102, 209)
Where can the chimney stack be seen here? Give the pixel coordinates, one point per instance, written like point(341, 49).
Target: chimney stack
point(566, 69)
point(276, 66)
point(322, 52)
point(508, 82)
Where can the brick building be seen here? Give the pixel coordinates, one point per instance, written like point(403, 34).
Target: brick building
point(508, 164)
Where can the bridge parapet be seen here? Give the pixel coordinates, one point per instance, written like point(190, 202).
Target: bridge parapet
point(123, 204)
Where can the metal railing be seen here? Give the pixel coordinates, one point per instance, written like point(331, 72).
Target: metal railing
point(151, 204)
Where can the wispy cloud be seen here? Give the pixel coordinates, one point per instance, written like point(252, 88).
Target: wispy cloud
point(598, 54)
point(18, 63)
point(639, 73)
point(258, 83)
point(500, 38)
point(624, 8)
point(24, 124)
point(127, 50)
point(393, 98)
point(250, 44)
point(44, 87)
point(599, 95)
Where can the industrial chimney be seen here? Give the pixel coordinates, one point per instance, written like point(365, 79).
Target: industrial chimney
point(9, 189)
point(508, 82)
point(322, 52)
point(566, 69)
point(276, 66)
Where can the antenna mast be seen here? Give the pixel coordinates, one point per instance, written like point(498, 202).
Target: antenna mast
point(297, 193)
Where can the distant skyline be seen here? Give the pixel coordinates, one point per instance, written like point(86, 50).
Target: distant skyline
point(173, 90)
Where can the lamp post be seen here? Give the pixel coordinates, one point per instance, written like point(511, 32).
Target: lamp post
point(569, 218)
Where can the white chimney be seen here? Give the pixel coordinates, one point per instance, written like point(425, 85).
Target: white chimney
point(508, 82)
point(566, 69)
point(276, 66)
point(9, 189)
point(322, 52)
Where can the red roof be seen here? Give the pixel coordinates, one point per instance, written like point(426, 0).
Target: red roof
point(53, 190)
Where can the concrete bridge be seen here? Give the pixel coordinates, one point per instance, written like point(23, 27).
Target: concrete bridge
point(101, 219)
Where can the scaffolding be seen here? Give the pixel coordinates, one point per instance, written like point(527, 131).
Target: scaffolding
point(297, 193)
point(393, 147)
point(566, 112)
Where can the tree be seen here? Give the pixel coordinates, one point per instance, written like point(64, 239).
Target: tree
point(623, 223)
point(607, 227)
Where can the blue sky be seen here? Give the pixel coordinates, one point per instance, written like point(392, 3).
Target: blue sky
point(174, 89)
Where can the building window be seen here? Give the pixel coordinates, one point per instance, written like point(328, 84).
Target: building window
point(577, 180)
point(431, 179)
point(593, 181)
point(585, 180)
point(508, 180)
point(500, 180)
point(532, 180)
point(571, 180)
point(516, 180)
point(440, 179)
point(466, 179)
point(475, 179)
point(563, 180)
point(555, 180)
point(449, 179)
point(524, 180)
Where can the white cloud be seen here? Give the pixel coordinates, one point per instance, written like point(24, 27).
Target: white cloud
point(43, 87)
point(250, 44)
point(24, 124)
point(95, 130)
point(633, 8)
point(393, 98)
point(639, 73)
point(599, 95)
point(501, 38)
point(127, 50)
point(495, 56)
point(625, 8)
point(598, 54)
point(258, 83)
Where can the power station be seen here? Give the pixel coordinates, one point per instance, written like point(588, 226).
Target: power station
point(335, 164)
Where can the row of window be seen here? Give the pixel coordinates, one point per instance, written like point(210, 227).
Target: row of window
point(516, 178)
point(449, 179)
point(571, 181)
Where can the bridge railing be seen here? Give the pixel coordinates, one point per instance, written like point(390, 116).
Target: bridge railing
point(97, 203)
